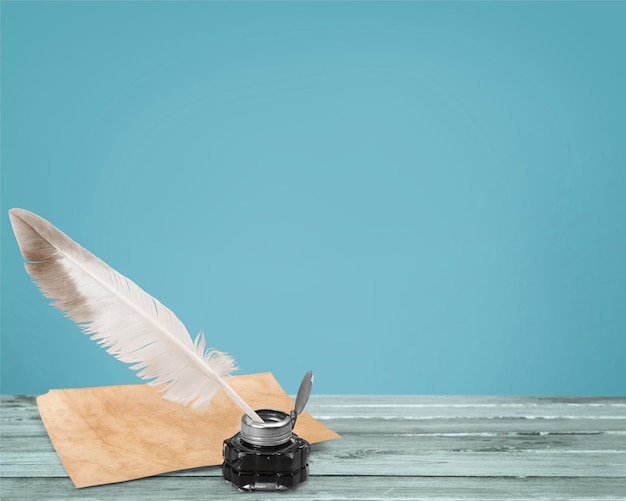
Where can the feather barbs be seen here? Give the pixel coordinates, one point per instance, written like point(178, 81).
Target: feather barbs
point(115, 312)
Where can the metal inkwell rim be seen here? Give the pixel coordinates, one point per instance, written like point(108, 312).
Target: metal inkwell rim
point(276, 428)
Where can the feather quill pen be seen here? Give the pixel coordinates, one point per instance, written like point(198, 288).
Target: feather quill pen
point(129, 323)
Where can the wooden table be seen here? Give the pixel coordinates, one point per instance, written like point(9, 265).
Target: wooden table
point(393, 447)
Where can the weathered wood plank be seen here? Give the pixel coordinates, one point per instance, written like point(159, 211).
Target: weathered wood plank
point(469, 407)
point(25, 443)
point(474, 426)
point(326, 488)
point(538, 455)
point(464, 400)
point(371, 404)
point(370, 461)
point(411, 405)
point(446, 427)
point(587, 418)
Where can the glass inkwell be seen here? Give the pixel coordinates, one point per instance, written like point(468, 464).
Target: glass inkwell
point(269, 456)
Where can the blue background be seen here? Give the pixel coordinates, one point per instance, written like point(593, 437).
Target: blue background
point(405, 197)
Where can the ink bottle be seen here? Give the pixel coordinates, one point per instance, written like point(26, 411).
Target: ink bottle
point(266, 456)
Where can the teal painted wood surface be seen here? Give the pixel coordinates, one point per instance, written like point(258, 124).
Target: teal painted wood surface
point(392, 447)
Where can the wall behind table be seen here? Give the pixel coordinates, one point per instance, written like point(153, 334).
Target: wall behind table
point(405, 197)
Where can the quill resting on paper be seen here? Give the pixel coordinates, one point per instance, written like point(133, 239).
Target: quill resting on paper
point(129, 323)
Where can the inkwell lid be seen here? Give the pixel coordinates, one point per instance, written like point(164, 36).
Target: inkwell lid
point(277, 426)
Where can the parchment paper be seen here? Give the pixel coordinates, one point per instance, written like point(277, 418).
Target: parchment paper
point(116, 433)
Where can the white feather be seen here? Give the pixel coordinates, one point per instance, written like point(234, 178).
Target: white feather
point(129, 323)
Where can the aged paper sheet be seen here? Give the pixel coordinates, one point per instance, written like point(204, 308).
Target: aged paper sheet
point(116, 433)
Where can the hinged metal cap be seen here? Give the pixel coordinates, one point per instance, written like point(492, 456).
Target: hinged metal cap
point(276, 428)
